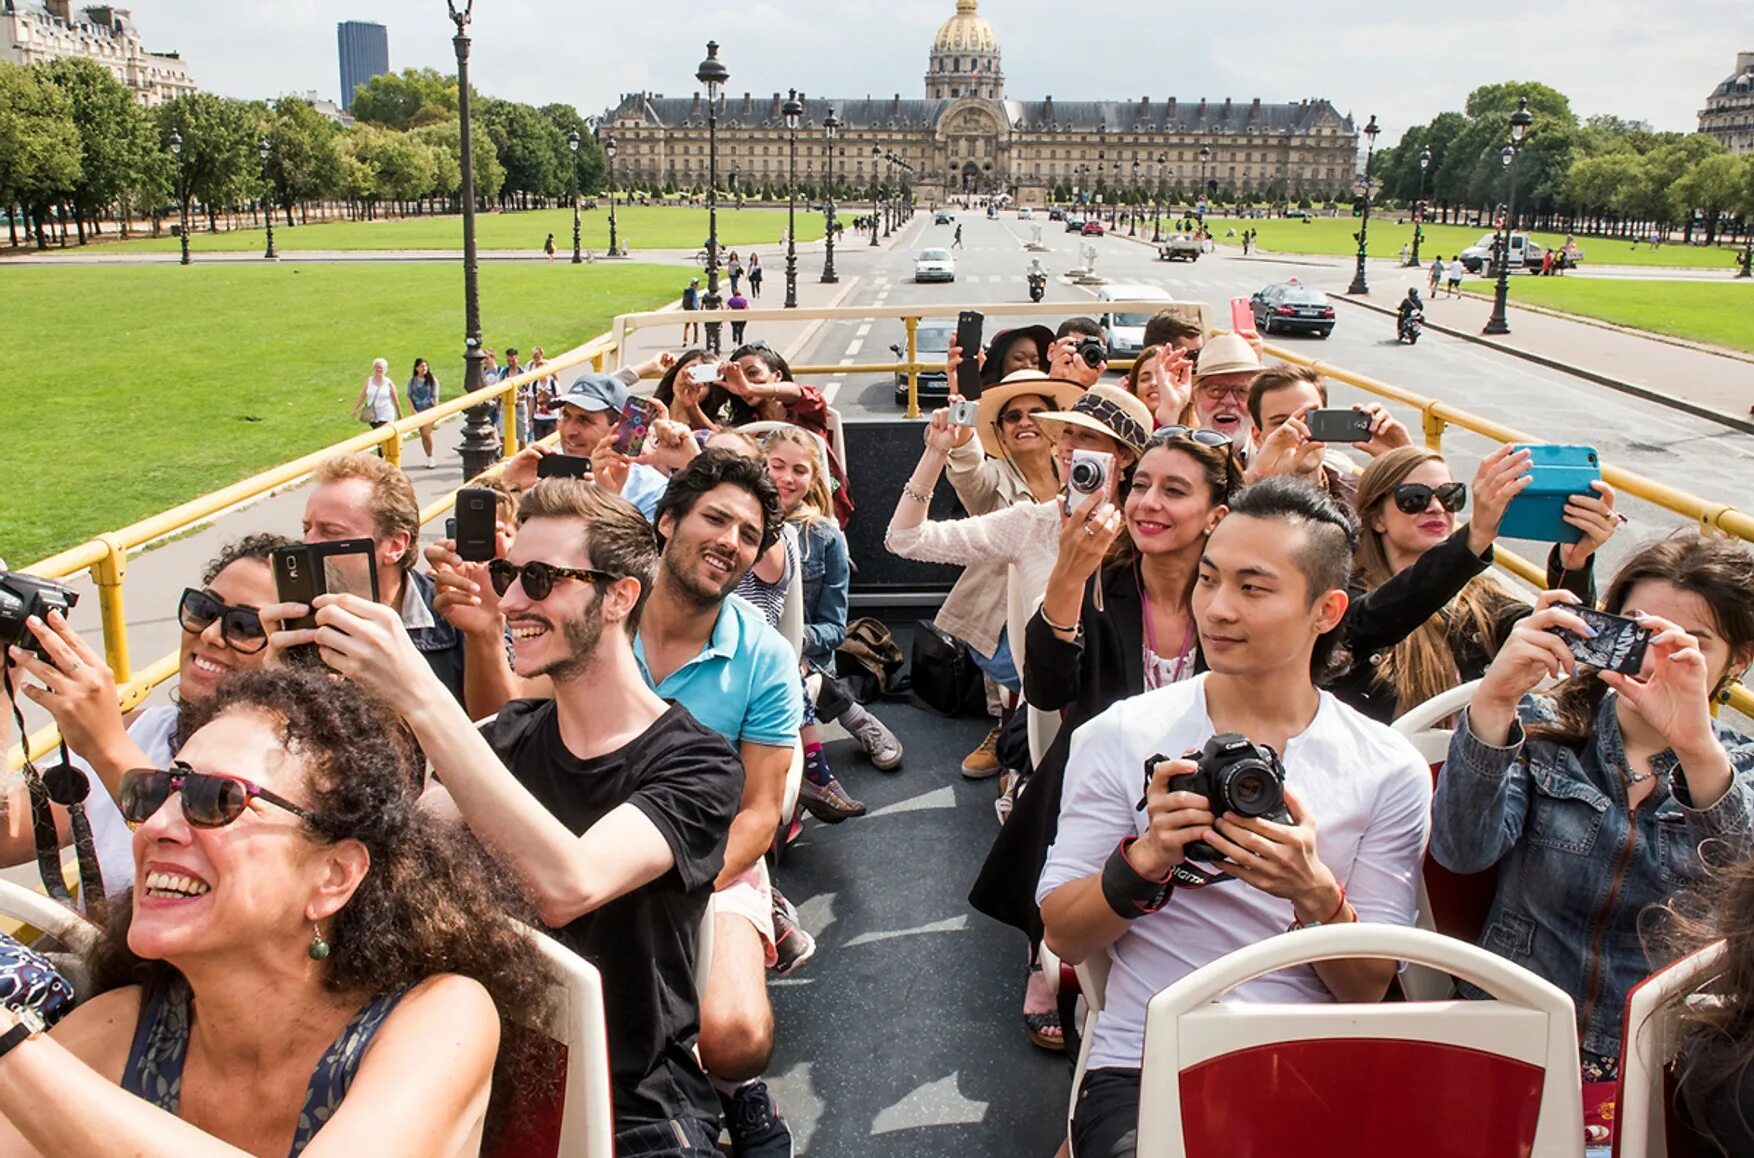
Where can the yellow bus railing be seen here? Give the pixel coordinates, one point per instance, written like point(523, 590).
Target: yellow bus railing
point(106, 556)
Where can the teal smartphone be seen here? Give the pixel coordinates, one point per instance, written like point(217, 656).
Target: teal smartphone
point(1558, 473)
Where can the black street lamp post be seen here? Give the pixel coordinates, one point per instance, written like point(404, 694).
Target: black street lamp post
point(1360, 283)
point(830, 128)
point(713, 74)
point(572, 144)
point(481, 444)
point(793, 111)
point(1419, 206)
point(615, 249)
point(267, 152)
point(1205, 155)
point(1519, 124)
point(1133, 203)
point(175, 143)
point(1157, 201)
point(876, 192)
point(1114, 200)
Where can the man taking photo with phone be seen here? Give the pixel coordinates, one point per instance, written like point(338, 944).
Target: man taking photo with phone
point(1165, 879)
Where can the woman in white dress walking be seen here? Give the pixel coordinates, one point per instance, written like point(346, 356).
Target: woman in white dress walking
point(378, 400)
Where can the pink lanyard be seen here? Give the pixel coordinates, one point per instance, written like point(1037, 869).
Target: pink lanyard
point(1151, 631)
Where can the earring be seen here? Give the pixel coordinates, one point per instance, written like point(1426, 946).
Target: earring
point(319, 949)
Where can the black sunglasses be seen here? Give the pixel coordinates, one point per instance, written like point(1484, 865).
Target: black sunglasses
point(538, 578)
point(240, 627)
point(210, 800)
point(1013, 417)
point(1164, 435)
point(1412, 498)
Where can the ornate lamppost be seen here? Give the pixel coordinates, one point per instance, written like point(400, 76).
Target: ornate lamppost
point(481, 444)
point(1114, 199)
point(1360, 283)
point(713, 74)
point(1157, 201)
point(572, 144)
point(830, 129)
point(615, 249)
point(266, 151)
point(876, 192)
point(1133, 203)
point(1419, 206)
point(175, 143)
point(1519, 124)
point(792, 111)
point(1205, 155)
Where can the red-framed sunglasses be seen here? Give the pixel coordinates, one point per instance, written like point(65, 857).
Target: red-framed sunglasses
point(210, 799)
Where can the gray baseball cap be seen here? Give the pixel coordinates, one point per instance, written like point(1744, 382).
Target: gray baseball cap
point(595, 392)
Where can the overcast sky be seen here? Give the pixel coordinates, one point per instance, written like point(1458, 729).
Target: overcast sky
point(1401, 60)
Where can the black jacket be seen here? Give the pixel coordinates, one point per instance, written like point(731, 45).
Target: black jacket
point(1377, 620)
point(1080, 680)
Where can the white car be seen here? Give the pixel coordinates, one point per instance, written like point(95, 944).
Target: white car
point(934, 265)
point(1024, 214)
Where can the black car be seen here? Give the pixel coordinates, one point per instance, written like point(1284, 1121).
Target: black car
point(1290, 308)
point(931, 346)
point(1073, 224)
point(1056, 214)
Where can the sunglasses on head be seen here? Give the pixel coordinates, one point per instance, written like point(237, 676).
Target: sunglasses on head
point(240, 627)
point(538, 578)
point(1412, 498)
point(210, 800)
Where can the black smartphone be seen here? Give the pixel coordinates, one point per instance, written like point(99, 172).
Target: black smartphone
point(477, 520)
point(1618, 645)
point(563, 466)
point(1338, 426)
point(451, 527)
point(305, 571)
point(968, 336)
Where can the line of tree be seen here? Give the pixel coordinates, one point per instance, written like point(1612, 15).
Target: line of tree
point(77, 150)
point(1600, 175)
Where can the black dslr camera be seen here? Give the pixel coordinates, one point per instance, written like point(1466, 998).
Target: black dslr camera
point(1093, 352)
point(22, 596)
point(1238, 777)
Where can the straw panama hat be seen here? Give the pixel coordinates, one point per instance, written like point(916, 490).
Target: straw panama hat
point(1059, 393)
point(1227, 354)
point(1107, 410)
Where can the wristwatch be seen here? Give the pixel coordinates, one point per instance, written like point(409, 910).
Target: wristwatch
point(30, 1024)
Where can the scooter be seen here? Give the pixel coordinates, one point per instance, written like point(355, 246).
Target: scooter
point(1410, 327)
point(1038, 286)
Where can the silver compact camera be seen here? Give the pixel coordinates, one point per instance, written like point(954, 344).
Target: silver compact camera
point(964, 412)
point(1087, 476)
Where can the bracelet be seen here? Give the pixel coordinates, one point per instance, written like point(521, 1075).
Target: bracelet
point(1073, 629)
point(910, 491)
point(1339, 909)
point(1130, 895)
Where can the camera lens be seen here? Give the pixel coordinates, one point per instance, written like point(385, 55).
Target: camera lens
point(1085, 476)
point(1249, 788)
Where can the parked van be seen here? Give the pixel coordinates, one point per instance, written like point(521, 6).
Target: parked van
point(1124, 333)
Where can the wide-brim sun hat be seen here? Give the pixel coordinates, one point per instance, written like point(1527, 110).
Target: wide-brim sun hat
point(1105, 409)
point(1059, 394)
point(1227, 354)
point(1002, 343)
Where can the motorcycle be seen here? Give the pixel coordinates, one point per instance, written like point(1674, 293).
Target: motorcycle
point(1038, 286)
point(1410, 327)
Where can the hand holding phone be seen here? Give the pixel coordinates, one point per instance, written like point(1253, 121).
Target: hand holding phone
point(563, 466)
point(1242, 317)
point(703, 373)
point(1618, 644)
point(307, 570)
point(1338, 426)
point(477, 521)
point(637, 416)
point(968, 337)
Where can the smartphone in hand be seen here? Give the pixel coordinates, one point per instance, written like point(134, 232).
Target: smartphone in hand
point(1618, 645)
point(1242, 317)
point(968, 337)
point(477, 520)
point(637, 416)
point(1338, 426)
point(563, 466)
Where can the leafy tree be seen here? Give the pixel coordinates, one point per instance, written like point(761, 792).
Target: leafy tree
point(530, 147)
point(489, 175)
point(108, 122)
point(407, 167)
point(218, 165)
point(39, 143)
point(1712, 186)
point(405, 100)
point(302, 163)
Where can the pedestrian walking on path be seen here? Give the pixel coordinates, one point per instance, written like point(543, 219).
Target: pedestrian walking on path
point(1455, 277)
point(754, 276)
point(548, 247)
point(691, 303)
point(423, 394)
point(378, 401)
point(737, 302)
point(1436, 275)
point(956, 241)
point(735, 266)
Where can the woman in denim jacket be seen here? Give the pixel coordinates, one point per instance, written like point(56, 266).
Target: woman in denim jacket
point(1603, 801)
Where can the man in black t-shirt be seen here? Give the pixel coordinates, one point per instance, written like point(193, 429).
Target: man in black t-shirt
point(611, 806)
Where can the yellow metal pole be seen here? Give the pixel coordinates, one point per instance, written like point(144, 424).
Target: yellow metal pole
point(913, 373)
point(508, 413)
point(392, 446)
point(108, 573)
point(1434, 427)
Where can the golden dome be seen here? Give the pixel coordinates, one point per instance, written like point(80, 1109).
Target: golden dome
point(966, 32)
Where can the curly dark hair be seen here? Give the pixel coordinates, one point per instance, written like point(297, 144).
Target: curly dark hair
point(719, 405)
point(257, 547)
point(431, 901)
point(712, 468)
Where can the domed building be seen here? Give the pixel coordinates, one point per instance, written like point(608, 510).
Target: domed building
point(1728, 114)
point(966, 138)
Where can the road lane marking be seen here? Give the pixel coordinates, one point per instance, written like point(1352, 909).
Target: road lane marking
point(853, 347)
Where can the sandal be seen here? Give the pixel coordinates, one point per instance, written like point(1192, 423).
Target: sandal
point(1044, 1028)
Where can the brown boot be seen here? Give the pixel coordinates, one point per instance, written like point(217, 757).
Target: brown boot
point(983, 762)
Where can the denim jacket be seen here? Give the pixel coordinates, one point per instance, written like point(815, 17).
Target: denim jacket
point(1581, 879)
point(826, 576)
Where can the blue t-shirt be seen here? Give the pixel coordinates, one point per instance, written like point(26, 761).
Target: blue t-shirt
point(645, 486)
point(744, 683)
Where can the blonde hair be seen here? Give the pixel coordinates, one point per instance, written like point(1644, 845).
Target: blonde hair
point(393, 505)
point(1424, 663)
point(818, 503)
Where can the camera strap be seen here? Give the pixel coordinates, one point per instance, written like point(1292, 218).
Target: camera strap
point(68, 786)
point(42, 816)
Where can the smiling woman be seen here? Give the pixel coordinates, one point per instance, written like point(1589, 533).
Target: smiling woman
point(304, 912)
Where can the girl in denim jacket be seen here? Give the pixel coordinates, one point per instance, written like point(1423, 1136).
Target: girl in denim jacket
point(1612, 796)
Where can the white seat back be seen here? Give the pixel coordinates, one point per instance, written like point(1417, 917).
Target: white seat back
point(1652, 1038)
point(703, 947)
point(36, 911)
point(1020, 605)
point(1530, 1026)
point(1418, 723)
point(792, 612)
point(576, 1019)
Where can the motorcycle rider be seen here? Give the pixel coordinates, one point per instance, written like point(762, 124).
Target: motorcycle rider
point(1411, 308)
point(1038, 279)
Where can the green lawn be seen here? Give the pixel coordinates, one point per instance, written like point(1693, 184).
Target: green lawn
point(637, 227)
point(1333, 236)
point(147, 386)
point(1703, 311)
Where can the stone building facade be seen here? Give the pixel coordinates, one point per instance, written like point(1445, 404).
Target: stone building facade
point(1728, 114)
point(33, 30)
point(967, 137)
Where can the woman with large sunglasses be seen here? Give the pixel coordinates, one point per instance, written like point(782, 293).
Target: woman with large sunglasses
point(1117, 620)
point(310, 963)
point(221, 634)
point(1425, 616)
